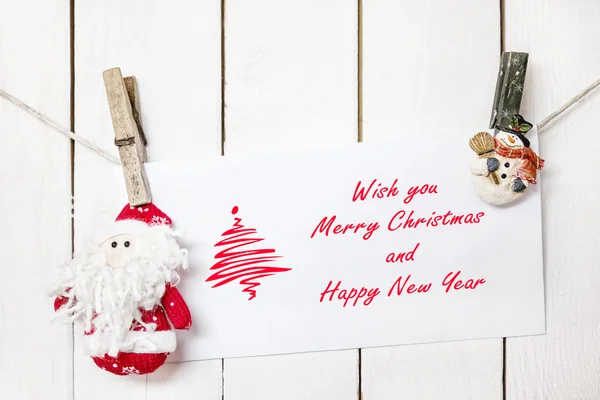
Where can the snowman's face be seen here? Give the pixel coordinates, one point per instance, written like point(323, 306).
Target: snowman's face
point(119, 249)
point(510, 140)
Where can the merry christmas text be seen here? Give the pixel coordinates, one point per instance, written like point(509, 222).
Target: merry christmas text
point(402, 219)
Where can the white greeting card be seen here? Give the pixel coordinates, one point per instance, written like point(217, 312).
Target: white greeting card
point(359, 245)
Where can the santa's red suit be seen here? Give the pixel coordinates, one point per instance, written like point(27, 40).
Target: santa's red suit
point(161, 342)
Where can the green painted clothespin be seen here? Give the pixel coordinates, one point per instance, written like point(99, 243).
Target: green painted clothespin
point(509, 88)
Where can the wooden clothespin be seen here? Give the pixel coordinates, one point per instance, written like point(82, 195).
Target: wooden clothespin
point(509, 88)
point(123, 102)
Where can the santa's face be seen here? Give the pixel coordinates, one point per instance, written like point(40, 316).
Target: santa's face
point(112, 282)
point(510, 140)
point(119, 249)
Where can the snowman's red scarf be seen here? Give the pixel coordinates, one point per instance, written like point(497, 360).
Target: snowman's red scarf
point(529, 161)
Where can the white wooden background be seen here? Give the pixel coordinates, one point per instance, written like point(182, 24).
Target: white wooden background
point(300, 72)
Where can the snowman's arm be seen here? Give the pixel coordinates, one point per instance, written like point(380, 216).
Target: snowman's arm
point(519, 185)
point(479, 166)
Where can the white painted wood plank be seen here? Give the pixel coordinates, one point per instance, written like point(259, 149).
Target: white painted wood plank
point(291, 74)
point(454, 370)
point(562, 39)
point(324, 375)
point(427, 64)
point(192, 380)
point(35, 182)
point(173, 48)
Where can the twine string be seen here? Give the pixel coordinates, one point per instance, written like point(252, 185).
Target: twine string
point(568, 104)
point(114, 160)
point(77, 138)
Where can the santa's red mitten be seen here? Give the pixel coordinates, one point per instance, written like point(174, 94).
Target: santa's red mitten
point(176, 308)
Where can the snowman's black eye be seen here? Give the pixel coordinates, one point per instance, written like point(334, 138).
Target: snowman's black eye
point(503, 176)
point(113, 244)
point(126, 244)
point(506, 165)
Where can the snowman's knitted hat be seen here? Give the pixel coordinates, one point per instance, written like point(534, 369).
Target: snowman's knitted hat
point(518, 127)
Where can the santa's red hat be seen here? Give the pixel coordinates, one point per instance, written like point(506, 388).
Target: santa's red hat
point(134, 220)
point(149, 214)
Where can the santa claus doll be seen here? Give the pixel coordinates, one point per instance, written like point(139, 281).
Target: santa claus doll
point(123, 287)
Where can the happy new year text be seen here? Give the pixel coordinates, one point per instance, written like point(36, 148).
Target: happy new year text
point(403, 286)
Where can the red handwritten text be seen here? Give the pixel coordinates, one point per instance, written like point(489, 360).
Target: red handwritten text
point(376, 190)
point(401, 257)
point(326, 225)
point(398, 221)
point(451, 282)
point(419, 190)
point(363, 294)
point(236, 261)
point(400, 285)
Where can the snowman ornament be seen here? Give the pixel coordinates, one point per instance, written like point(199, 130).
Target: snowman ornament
point(505, 164)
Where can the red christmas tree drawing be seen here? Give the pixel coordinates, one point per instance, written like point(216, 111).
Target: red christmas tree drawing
point(238, 262)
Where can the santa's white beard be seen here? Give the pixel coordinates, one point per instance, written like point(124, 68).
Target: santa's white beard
point(109, 299)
